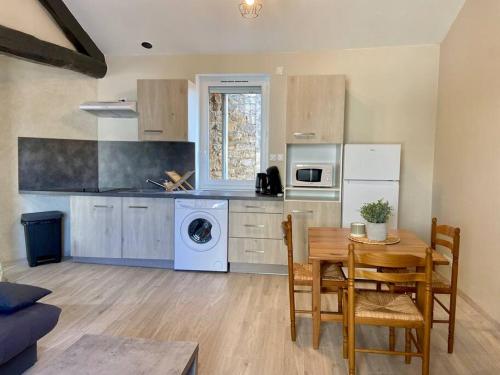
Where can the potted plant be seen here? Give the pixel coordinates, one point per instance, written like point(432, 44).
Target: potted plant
point(376, 214)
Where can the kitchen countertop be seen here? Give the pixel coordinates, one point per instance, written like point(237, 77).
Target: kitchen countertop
point(156, 193)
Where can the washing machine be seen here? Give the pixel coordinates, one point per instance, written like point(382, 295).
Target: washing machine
point(201, 235)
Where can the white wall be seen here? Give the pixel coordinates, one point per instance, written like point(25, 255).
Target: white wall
point(391, 98)
point(467, 164)
point(36, 101)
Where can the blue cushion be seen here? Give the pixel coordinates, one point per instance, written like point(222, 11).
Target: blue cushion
point(24, 328)
point(16, 296)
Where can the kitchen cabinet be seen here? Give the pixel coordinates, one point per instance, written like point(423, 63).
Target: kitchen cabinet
point(128, 228)
point(96, 227)
point(166, 109)
point(315, 109)
point(148, 225)
point(255, 235)
point(268, 207)
point(257, 251)
point(255, 225)
point(307, 214)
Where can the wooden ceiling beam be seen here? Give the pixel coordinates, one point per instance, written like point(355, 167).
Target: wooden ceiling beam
point(87, 59)
point(72, 29)
point(28, 47)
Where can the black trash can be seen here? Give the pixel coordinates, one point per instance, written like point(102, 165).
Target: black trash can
point(43, 234)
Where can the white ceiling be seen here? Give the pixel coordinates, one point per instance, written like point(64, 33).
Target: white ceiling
point(215, 26)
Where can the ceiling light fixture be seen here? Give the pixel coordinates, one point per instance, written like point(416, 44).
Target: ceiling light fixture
point(250, 8)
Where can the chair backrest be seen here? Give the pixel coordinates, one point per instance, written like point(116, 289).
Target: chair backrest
point(452, 234)
point(387, 262)
point(423, 279)
point(287, 238)
point(447, 237)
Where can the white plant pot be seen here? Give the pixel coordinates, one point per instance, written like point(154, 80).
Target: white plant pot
point(376, 231)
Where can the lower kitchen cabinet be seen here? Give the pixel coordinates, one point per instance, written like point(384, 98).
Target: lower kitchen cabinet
point(310, 214)
point(96, 227)
point(257, 251)
point(255, 235)
point(128, 228)
point(148, 228)
point(255, 225)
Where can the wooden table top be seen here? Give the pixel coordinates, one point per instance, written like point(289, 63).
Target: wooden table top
point(330, 244)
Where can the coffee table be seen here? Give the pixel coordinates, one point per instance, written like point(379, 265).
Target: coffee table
point(106, 355)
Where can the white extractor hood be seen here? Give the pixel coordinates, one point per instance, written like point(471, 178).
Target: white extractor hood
point(118, 109)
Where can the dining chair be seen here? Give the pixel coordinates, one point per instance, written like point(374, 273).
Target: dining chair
point(387, 308)
point(447, 238)
point(300, 274)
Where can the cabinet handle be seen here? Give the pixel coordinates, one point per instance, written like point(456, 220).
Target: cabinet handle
point(144, 207)
point(102, 206)
point(255, 251)
point(153, 131)
point(302, 212)
point(249, 206)
point(254, 225)
point(300, 134)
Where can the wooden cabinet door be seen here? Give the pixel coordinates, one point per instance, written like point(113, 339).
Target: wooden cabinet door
point(96, 227)
point(256, 251)
point(315, 109)
point(310, 214)
point(148, 228)
point(163, 109)
point(259, 206)
point(255, 225)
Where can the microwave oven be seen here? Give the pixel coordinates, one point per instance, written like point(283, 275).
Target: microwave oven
point(312, 175)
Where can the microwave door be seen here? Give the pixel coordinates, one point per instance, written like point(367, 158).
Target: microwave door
point(309, 175)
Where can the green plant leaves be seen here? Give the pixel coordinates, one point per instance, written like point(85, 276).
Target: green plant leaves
point(376, 212)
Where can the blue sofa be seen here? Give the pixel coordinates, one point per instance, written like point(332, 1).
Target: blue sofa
point(19, 333)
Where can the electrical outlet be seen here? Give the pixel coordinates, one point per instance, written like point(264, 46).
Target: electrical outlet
point(279, 157)
point(272, 157)
point(280, 70)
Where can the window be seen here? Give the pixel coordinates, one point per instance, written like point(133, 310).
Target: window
point(233, 139)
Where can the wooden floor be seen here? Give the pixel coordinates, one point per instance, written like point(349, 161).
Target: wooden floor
point(239, 320)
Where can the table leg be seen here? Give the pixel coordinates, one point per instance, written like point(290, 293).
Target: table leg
point(316, 301)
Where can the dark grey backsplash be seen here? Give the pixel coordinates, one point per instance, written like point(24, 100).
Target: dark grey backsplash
point(61, 164)
point(129, 164)
point(57, 164)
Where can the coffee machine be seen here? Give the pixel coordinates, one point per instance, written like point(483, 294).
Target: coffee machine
point(269, 183)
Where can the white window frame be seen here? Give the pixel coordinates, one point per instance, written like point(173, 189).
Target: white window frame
point(203, 82)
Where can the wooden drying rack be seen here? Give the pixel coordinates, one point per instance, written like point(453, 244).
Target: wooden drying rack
point(178, 182)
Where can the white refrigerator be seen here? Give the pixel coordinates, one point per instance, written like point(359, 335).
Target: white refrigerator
point(371, 172)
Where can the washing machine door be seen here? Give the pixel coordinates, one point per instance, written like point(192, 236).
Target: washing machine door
point(200, 231)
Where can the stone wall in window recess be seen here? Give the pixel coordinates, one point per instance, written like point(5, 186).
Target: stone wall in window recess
point(215, 126)
point(244, 125)
point(243, 134)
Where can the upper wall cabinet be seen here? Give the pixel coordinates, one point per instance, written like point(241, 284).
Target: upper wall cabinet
point(164, 109)
point(315, 109)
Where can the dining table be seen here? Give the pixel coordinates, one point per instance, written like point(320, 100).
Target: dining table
point(330, 245)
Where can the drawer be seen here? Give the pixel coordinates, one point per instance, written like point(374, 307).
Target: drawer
point(269, 207)
point(259, 251)
point(255, 225)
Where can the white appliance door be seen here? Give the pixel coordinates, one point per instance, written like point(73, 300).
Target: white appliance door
point(357, 193)
point(372, 162)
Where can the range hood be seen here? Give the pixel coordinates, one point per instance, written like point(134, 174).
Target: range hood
point(118, 109)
